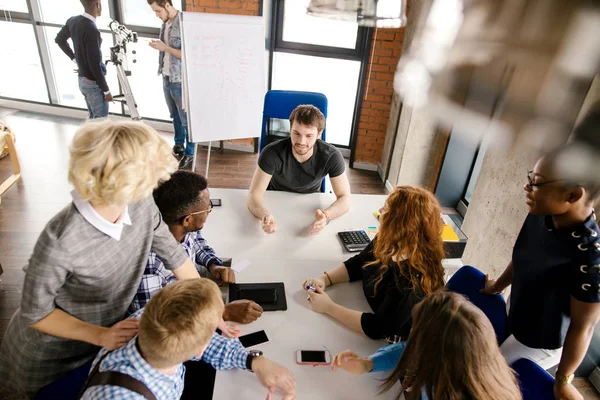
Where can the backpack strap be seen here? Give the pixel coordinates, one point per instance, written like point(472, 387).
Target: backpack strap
point(114, 378)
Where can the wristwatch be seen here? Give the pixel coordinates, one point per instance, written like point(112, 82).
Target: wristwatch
point(252, 354)
point(564, 379)
point(327, 216)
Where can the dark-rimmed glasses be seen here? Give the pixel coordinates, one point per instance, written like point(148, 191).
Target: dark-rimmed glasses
point(533, 185)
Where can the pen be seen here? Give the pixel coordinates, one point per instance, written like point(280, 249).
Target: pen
point(308, 287)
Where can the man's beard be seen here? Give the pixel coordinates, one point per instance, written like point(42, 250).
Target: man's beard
point(303, 150)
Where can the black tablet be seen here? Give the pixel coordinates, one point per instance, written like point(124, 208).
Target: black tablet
point(270, 296)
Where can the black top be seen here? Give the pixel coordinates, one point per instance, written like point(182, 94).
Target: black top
point(392, 303)
point(87, 43)
point(289, 175)
point(550, 266)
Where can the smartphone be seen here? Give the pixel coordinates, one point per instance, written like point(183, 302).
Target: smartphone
point(261, 296)
point(254, 339)
point(216, 202)
point(313, 357)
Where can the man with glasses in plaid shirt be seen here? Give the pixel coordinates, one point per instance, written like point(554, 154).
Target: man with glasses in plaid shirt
point(184, 203)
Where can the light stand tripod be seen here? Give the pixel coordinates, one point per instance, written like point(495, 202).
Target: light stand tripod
point(118, 56)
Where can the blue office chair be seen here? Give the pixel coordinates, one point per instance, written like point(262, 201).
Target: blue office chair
point(468, 281)
point(536, 384)
point(281, 103)
point(67, 387)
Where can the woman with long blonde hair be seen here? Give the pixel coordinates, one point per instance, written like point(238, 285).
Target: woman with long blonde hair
point(89, 259)
point(401, 266)
point(451, 354)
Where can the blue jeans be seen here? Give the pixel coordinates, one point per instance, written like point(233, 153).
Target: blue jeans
point(173, 95)
point(94, 98)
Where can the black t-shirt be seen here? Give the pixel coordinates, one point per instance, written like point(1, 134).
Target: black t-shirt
point(289, 175)
point(393, 301)
point(550, 266)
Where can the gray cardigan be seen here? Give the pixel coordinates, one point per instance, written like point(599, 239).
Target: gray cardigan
point(91, 276)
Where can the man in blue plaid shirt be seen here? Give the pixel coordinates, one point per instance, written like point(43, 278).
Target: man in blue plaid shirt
point(177, 325)
point(184, 202)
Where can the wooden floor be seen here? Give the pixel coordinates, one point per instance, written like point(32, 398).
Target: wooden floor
point(42, 144)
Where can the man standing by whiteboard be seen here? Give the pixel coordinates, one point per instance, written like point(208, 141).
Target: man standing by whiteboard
point(169, 66)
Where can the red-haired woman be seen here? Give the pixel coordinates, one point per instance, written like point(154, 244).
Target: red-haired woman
point(401, 266)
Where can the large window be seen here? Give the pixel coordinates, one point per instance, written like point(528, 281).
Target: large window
point(300, 27)
point(139, 13)
point(57, 12)
point(321, 55)
point(14, 6)
point(21, 68)
point(36, 69)
point(335, 78)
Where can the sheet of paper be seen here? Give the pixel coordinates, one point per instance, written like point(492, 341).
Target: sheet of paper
point(240, 266)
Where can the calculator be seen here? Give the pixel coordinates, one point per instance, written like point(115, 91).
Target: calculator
point(354, 240)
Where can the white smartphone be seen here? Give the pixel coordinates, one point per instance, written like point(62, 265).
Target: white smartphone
point(254, 339)
point(313, 357)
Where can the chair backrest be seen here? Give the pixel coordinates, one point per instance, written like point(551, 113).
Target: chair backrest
point(468, 281)
point(536, 383)
point(281, 103)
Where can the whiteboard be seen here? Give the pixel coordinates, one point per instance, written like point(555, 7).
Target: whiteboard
point(223, 75)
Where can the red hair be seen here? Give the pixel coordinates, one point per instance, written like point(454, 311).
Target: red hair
point(411, 228)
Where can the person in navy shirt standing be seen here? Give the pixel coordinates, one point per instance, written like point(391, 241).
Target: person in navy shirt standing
point(87, 54)
point(555, 276)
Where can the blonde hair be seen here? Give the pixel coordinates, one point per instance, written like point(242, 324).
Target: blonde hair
point(118, 162)
point(179, 320)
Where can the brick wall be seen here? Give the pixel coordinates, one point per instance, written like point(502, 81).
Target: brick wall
point(238, 7)
point(386, 47)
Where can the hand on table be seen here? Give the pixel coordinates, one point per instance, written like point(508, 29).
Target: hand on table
point(119, 334)
point(268, 224)
point(242, 311)
point(490, 286)
point(222, 274)
point(351, 362)
point(274, 376)
point(320, 222)
point(315, 282)
point(319, 301)
point(227, 330)
point(566, 392)
point(158, 45)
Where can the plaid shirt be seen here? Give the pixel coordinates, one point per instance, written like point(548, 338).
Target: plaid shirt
point(156, 276)
point(222, 353)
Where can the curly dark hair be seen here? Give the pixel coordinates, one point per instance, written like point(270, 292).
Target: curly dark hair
point(180, 195)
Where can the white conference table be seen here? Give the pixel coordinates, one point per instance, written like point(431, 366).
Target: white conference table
point(234, 232)
point(291, 255)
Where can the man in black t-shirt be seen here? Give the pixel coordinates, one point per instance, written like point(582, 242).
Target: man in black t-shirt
point(299, 164)
point(555, 276)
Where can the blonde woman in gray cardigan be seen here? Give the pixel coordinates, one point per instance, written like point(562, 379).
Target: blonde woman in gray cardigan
point(89, 259)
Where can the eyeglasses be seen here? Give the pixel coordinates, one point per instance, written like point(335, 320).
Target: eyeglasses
point(532, 184)
point(207, 211)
